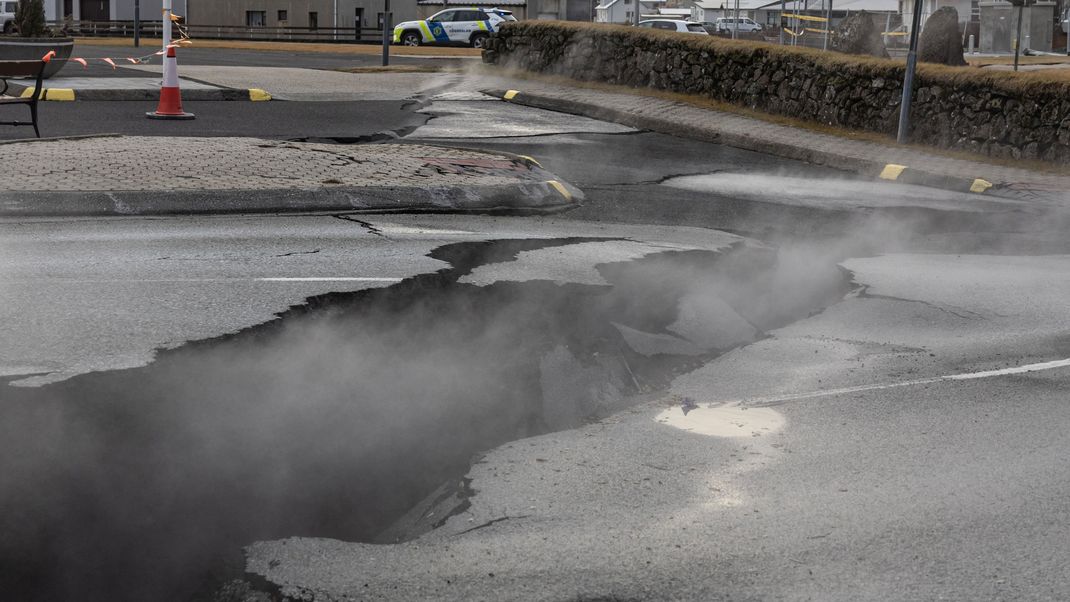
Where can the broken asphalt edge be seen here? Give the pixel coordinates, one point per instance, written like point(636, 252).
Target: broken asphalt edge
point(525, 197)
point(878, 170)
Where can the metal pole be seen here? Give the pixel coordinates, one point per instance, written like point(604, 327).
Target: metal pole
point(828, 26)
point(166, 25)
point(336, 20)
point(735, 29)
point(638, 9)
point(1018, 38)
point(782, 22)
point(137, 23)
point(1066, 28)
point(387, 33)
point(795, 38)
point(908, 79)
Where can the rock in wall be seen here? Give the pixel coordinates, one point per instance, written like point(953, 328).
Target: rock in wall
point(993, 113)
point(858, 34)
point(941, 40)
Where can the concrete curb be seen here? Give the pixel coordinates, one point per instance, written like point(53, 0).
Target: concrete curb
point(527, 197)
point(196, 95)
point(865, 167)
point(546, 197)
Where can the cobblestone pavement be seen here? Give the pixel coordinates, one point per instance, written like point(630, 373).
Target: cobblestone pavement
point(113, 174)
point(151, 163)
point(866, 157)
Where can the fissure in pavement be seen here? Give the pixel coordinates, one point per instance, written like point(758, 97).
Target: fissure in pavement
point(342, 415)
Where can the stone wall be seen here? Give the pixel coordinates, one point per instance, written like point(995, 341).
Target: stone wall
point(994, 113)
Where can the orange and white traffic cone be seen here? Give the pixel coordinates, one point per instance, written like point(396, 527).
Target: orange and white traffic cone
point(170, 106)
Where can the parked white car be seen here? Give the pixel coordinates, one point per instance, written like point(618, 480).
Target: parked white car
point(745, 25)
point(469, 26)
point(674, 25)
point(7, 15)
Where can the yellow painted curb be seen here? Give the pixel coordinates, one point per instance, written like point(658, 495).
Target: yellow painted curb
point(892, 171)
point(530, 160)
point(64, 94)
point(558, 186)
point(258, 95)
point(980, 185)
point(511, 94)
point(60, 94)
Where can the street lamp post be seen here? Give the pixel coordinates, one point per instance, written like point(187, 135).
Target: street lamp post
point(782, 22)
point(828, 26)
point(1018, 36)
point(908, 78)
point(735, 22)
point(137, 23)
point(387, 18)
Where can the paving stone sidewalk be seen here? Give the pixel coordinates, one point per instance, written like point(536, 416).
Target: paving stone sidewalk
point(153, 175)
point(863, 157)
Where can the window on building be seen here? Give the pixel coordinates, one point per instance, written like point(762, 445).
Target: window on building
point(283, 16)
point(313, 21)
point(255, 18)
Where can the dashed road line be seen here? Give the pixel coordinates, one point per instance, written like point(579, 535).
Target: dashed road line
point(781, 399)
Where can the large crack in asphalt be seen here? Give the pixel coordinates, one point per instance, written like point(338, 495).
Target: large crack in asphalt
point(345, 415)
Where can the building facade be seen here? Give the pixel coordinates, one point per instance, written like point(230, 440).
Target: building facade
point(242, 13)
point(365, 14)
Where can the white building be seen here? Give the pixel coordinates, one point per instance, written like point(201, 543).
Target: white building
point(683, 14)
point(707, 11)
point(107, 10)
point(623, 11)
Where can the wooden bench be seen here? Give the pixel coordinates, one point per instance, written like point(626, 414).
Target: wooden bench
point(9, 69)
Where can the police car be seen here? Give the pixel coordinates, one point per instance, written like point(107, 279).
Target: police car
point(469, 26)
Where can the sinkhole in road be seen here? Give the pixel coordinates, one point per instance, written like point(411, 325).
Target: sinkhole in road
point(344, 413)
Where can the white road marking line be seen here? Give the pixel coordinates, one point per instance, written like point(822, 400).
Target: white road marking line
point(166, 280)
point(776, 400)
point(1016, 370)
point(329, 279)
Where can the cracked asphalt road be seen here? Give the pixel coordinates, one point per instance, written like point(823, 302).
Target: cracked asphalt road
point(840, 464)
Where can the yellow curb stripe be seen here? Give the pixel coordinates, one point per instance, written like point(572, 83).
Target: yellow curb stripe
point(511, 94)
point(980, 185)
point(58, 94)
point(892, 171)
point(64, 94)
point(530, 160)
point(258, 95)
point(558, 186)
